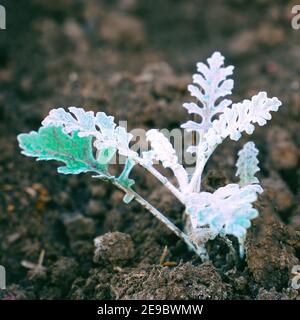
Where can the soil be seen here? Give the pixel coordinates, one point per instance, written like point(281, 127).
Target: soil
point(133, 59)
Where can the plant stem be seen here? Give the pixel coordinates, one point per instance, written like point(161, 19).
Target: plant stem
point(194, 185)
point(166, 183)
point(162, 179)
point(170, 225)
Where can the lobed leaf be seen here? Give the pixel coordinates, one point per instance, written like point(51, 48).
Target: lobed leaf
point(210, 86)
point(242, 117)
point(247, 164)
point(51, 143)
point(162, 148)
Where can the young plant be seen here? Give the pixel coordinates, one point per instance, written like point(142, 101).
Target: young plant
point(71, 136)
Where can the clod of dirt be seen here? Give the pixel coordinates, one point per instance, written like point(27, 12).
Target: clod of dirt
point(295, 221)
point(243, 42)
point(114, 247)
point(283, 152)
point(83, 249)
point(163, 199)
point(117, 196)
point(240, 284)
point(14, 292)
point(159, 71)
point(98, 190)
point(270, 256)
point(248, 41)
point(96, 286)
point(78, 226)
point(279, 192)
point(122, 29)
point(64, 271)
point(272, 294)
point(270, 35)
point(185, 281)
point(96, 208)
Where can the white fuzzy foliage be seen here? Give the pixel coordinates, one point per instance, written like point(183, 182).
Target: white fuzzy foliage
point(219, 117)
point(86, 123)
point(163, 151)
point(210, 85)
point(227, 211)
point(247, 164)
point(162, 148)
point(241, 117)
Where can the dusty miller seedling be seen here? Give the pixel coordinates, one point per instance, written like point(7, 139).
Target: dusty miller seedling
point(70, 136)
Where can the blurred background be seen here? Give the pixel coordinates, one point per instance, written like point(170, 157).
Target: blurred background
point(132, 59)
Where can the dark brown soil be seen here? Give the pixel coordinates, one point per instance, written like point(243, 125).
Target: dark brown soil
point(133, 59)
